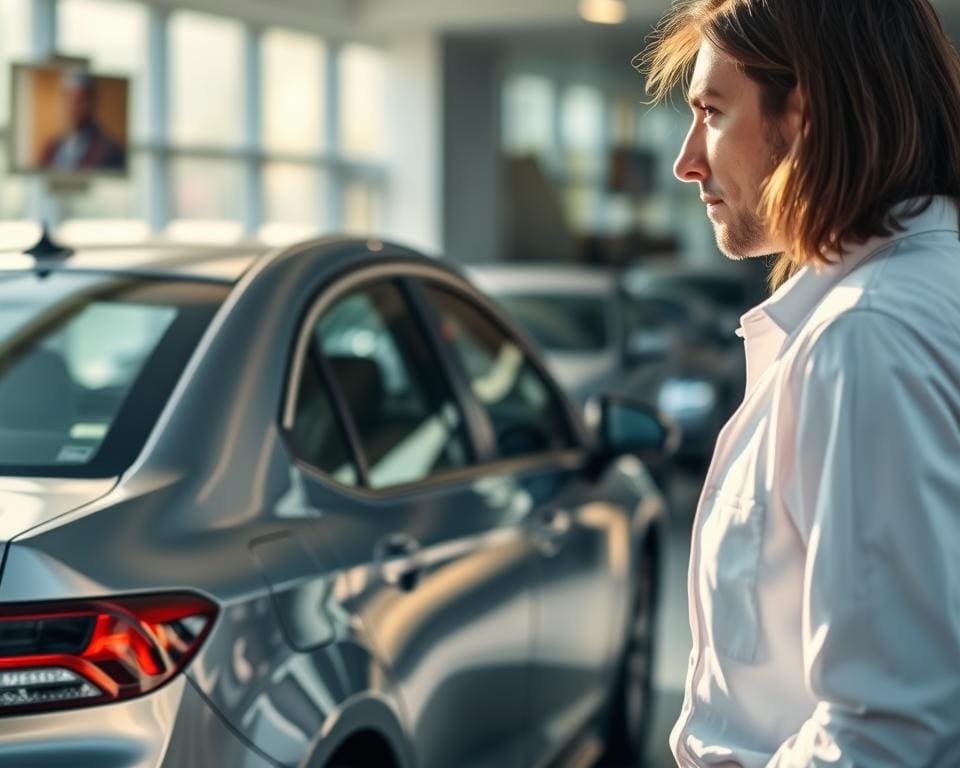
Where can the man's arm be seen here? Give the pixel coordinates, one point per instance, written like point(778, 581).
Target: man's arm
point(875, 489)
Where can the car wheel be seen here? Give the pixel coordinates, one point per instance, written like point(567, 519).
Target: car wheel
point(631, 706)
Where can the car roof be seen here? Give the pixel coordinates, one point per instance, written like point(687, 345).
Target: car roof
point(223, 264)
point(541, 278)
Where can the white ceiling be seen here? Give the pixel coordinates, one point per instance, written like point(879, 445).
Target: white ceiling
point(469, 15)
point(383, 18)
point(378, 18)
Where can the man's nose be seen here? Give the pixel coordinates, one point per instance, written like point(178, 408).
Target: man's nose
point(691, 164)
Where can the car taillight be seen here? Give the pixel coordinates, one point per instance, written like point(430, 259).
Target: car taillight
point(72, 654)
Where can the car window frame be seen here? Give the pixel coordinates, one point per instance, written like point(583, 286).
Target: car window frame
point(305, 343)
point(411, 273)
point(488, 308)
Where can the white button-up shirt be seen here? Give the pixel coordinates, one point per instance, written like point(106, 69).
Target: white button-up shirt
point(825, 563)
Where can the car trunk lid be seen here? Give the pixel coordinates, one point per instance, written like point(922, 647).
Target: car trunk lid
point(26, 502)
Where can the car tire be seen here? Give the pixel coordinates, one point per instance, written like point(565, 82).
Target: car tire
point(632, 701)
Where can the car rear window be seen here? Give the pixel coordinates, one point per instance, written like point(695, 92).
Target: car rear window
point(87, 362)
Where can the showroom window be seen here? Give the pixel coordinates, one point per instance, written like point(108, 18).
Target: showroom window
point(112, 35)
point(15, 35)
point(604, 153)
point(207, 198)
point(294, 87)
point(205, 110)
point(14, 46)
point(293, 199)
point(528, 117)
point(581, 112)
point(236, 129)
point(363, 100)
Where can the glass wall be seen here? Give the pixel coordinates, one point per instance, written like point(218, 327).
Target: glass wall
point(236, 130)
point(607, 157)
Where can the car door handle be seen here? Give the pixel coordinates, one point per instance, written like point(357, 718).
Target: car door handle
point(396, 556)
point(552, 528)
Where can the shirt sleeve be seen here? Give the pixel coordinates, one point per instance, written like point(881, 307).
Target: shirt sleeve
point(875, 489)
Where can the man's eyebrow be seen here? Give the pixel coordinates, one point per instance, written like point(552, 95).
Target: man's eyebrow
point(696, 97)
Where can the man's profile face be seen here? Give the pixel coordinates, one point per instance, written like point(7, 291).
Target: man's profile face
point(729, 152)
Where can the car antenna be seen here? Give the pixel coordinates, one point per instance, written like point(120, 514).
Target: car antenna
point(48, 248)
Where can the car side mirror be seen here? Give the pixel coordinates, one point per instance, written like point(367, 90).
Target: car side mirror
point(626, 425)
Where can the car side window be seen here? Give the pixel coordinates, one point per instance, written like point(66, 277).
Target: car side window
point(401, 406)
point(526, 415)
point(317, 432)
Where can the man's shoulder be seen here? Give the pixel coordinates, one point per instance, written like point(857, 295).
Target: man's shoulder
point(914, 282)
point(900, 310)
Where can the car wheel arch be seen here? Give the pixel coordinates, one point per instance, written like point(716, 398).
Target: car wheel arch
point(366, 724)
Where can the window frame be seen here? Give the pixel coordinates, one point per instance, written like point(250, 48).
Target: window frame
point(305, 344)
point(575, 425)
point(410, 274)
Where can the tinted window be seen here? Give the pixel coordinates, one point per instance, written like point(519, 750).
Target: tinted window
point(87, 363)
point(527, 417)
point(403, 411)
point(562, 323)
point(317, 432)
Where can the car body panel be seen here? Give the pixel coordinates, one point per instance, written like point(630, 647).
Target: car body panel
point(460, 638)
point(173, 727)
point(205, 262)
point(26, 502)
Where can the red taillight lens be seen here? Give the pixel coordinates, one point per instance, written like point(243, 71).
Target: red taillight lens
point(63, 655)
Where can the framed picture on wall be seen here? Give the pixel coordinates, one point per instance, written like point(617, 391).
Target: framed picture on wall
point(67, 122)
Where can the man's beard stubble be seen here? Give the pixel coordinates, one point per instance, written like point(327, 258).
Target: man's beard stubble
point(745, 235)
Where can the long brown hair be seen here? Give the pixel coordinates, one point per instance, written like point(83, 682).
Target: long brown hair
point(880, 86)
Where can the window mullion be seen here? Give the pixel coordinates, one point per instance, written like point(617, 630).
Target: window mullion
point(335, 174)
point(158, 120)
point(44, 205)
point(253, 130)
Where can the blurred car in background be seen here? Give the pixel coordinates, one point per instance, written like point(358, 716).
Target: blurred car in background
point(318, 507)
point(575, 314)
point(698, 376)
point(729, 291)
point(665, 335)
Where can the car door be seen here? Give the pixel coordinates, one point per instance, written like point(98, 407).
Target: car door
point(582, 537)
point(439, 562)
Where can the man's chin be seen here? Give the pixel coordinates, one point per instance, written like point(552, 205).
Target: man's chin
point(740, 248)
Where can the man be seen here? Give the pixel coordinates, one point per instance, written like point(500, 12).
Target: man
point(85, 145)
point(825, 562)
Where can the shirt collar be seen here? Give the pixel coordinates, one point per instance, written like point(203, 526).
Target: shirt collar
point(790, 305)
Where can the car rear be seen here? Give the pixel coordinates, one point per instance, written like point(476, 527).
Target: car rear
point(88, 360)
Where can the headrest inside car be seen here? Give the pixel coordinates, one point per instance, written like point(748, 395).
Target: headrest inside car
point(37, 393)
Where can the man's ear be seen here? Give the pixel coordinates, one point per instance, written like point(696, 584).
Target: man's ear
point(793, 115)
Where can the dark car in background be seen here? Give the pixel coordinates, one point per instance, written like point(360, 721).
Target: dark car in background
point(698, 376)
point(664, 335)
point(315, 507)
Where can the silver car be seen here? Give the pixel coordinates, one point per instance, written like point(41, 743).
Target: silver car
point(314, 507)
